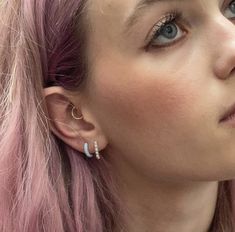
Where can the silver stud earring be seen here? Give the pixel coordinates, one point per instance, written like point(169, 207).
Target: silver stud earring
point(78, 118)
point(97, 150)
point(86, 150)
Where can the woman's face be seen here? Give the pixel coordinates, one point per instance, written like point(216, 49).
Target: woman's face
point(162, 76)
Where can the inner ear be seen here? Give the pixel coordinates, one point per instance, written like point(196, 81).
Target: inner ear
point(75, 114)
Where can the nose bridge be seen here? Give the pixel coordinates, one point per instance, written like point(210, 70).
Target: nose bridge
point(222, 42)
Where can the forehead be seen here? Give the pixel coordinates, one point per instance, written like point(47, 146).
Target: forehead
point(111, 9)
point(119, 10)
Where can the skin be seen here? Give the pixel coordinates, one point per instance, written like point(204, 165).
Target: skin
point(155, 113)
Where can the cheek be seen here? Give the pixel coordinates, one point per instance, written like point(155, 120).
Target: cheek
point(142, 101)
point(158, 122)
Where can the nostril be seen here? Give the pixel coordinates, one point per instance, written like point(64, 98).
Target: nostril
point(233, 71)
point(224, 67)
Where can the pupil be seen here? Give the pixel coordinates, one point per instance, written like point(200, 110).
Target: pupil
point(232, 6)
point(170, 30)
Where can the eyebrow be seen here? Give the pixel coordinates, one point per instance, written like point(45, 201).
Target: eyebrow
point(138, 12)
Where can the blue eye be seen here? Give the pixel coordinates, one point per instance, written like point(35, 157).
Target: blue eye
point(166, 31)
point(230, 11)
point(169, 31)
point(167, 34)
point(232, 6)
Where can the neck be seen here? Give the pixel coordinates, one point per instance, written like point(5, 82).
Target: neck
point(185, 210)
point(168, 207)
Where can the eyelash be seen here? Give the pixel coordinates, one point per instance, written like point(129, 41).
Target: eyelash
point(171, 17)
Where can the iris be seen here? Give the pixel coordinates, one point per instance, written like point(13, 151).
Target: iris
point(232, 6)
point(170, 30)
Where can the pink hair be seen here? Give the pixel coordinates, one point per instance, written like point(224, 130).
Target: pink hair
point(45, 185)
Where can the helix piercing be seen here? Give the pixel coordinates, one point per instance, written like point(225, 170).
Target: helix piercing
point(78, 118)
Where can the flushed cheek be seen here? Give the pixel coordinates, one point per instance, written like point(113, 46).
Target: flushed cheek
point(149, 100)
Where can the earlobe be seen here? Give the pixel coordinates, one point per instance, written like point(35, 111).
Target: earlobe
point(87, 152)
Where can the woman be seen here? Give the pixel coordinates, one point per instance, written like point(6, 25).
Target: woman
point(117, 115)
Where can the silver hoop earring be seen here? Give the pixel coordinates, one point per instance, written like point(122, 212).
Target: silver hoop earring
point(86, 150)
point(78, 118)
point(97, 150)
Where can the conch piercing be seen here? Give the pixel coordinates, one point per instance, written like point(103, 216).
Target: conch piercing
point(79, 118)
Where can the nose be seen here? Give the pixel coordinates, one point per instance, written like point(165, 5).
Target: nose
point(224, 47)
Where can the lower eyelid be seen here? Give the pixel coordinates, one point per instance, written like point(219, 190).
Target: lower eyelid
point(176, 42)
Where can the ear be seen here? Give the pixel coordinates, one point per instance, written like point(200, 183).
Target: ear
point(72, 131)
